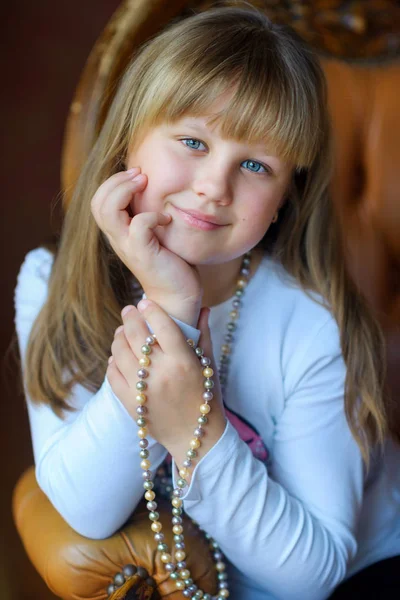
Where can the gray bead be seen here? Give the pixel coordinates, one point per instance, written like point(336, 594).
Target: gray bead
point(205, 361)
point(199, 351)
point(228, 338)
point(170, 567)
point(111, 589)
point(187, 462)
point(151, 505)
point(142, 373)
point(141, 410)
point(239, 293)
point(176, 511)
point(154, 515)
point(198, 595)
point(223, 585)
point(180, 546)
point(119, 579)
point(199, 432)
point(181, 482)
point(144, 454)
point(188, 581)
point(231, 326)
point(162, 547)
point(222, 576)
point(218, 556)
point(141, 385)
point(191, 454)
point(178, 537)
point(177, 493)
point(208, 384)
point(181, 564)
point(236, 303)
point(148, 485)
point(245, 271)
point(150, 340)
point(207, 396)
point(159, 537)
point(203, 420)
point(175, 576)
point(141, 422)
point(186, 594)
point(192, 588)
point(176, 520)
point(146, 474)
point(129, 570)
point(143, 443)
point(142, 573)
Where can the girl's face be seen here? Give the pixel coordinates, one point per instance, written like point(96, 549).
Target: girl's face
point(222, 194)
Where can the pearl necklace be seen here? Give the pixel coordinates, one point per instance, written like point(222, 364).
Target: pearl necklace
point(177, 567)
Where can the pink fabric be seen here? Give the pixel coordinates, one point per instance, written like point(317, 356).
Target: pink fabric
point(249, 435)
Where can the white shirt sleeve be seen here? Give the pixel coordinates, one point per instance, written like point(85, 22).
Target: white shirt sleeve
point(291, 530)
point(88, 463)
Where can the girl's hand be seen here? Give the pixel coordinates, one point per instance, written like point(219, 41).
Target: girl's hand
point(165, 277)
point(175, 381)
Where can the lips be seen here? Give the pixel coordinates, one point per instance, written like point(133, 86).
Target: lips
point(201, 216)
point(198, 220)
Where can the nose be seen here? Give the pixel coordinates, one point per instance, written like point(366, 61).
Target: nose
point(212, 181)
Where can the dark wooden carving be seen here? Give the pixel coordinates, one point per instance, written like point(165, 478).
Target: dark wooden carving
point(350, 29)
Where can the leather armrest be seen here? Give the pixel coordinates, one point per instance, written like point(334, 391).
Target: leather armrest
point(77, 567)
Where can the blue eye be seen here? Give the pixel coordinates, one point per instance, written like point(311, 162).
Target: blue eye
point(254, 166)
point(193, 143)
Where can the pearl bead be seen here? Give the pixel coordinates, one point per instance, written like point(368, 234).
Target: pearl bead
point(205, 361)
point(150, 340)
point(141, 385)
point(159, 537)
point(154, 516)
point(178, 538)
point(148, 485)
point(165, 557)
point(176, 520)
point(183, 473)
point(204, 409)
point(182, 565)
point(177, 493)
point(142, 432)
point(146, 474)
point(223, 594)
point(141, 422)
point(145, 464)
point(143, 443)
point(177, 502)
point(145, 349)
point(180, 546)
point(170, 567)
point(207, 396)
point(208, 372)
point(144, 361)
point(199, 432)
point(191, 453)
point(187, 462)
point(199, 351)
point(141, 398)
point(156, 526)
point(142, 373)
point(195, 443)
point(234, 314)
point(208, 384)
point(177, 529)
point(181, 483)
point(184, 573)
point(190, 342)
point(180, 584)
point(220, 566)
point(150, 495)
point(151, 505)
point(180, 555)
point(241, 283)
point(144, 454)
point(202, 420)
point(177, 512)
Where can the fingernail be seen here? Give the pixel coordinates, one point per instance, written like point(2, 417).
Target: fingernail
point(125, 310)
point(132, 170)
point(138, 178)
point(143, 304)
point(110, 359)
point(120, 328)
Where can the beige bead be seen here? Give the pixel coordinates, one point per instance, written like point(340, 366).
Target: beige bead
point(195, 443)
point(205, 409)
point(234, 314)
point(156, 526)
point(142, 432)
point(191, 342)
point(241, 283)
point(208, 372)
point(144, 361)
point(145, 464)
point(223, 593)
point(220, 566)
point(149, 495)
point(176, 502)
point(165, 557)
point(141, 398)
point(177, 529)
point(180, 555)
point(180, 584)
point(184, 472)
point(184, 573)
point(225, 349)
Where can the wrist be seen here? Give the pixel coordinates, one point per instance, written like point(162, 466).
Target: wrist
point(186, 310)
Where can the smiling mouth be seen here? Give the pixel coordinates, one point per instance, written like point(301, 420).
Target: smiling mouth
point(195, 221)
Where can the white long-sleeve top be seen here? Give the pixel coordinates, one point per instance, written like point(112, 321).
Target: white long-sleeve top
point(292, 527)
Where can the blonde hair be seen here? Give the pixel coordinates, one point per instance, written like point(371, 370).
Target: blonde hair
point(278, 95)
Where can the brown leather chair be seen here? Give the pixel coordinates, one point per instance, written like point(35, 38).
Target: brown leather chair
point(366, 189)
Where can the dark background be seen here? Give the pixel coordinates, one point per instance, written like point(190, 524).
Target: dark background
point(45, 46)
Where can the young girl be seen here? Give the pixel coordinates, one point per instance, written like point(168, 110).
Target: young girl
point(206, 191)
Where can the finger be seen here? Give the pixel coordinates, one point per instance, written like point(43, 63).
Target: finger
point(110, 209)
point(117, 381)
point(109, 184)
point(124, 357)
point(135, 329)
point(142, 226)
point(168, 334)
